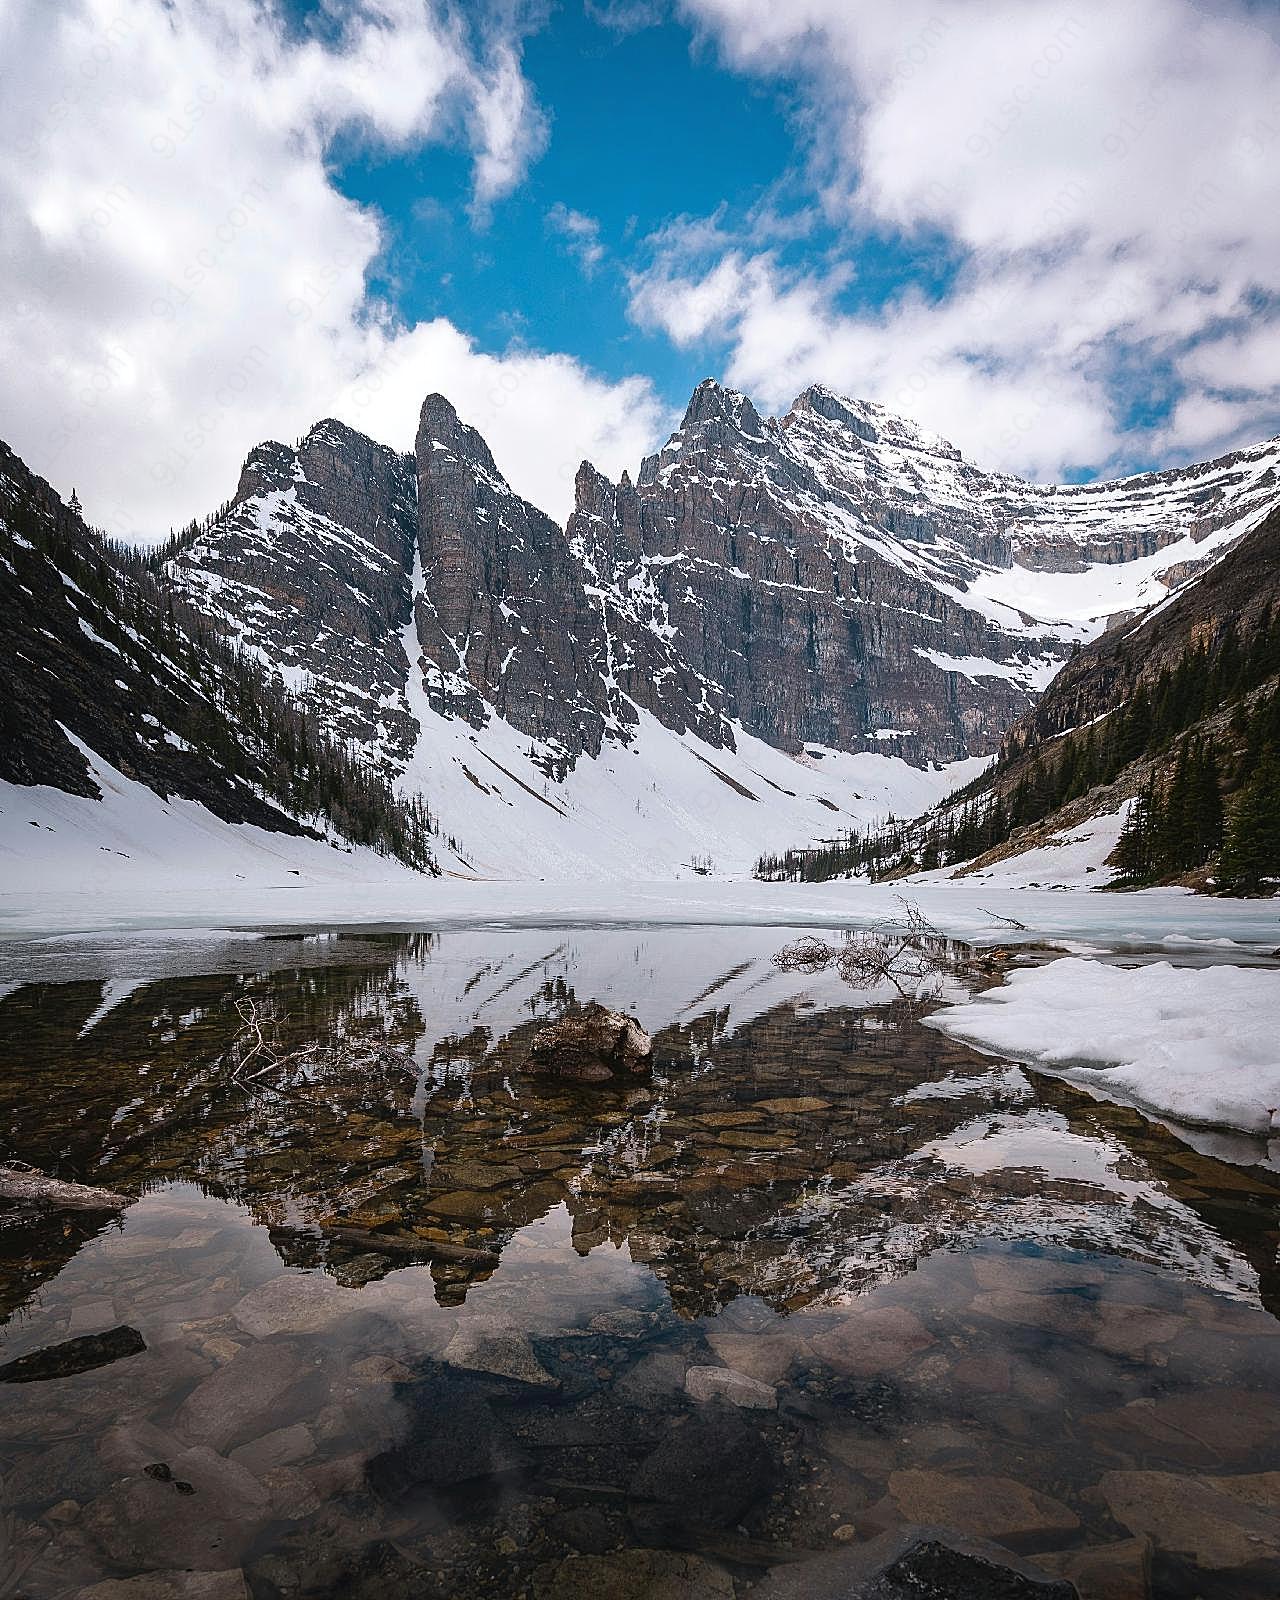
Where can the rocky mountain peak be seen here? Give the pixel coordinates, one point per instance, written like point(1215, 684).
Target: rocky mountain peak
point(442, 433)
point(712, 403)
point(868, 421)
point(824, 402)
point(308, 570)
point(503, 622)
point(269, 465)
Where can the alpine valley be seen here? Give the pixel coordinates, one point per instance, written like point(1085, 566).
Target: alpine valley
point(780, 630)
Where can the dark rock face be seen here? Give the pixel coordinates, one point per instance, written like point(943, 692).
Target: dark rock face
point(643, 663)
point(502, 616)
point(89, 656)
point(591, 1046)
point(812, 569)
point(310, 568)
point(810, 635)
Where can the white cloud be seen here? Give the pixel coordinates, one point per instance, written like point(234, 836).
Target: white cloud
point(179, 278)
point(581, 235)
point(626, 16)
point(1104, 173)
point(510, 130)
point(540, 414)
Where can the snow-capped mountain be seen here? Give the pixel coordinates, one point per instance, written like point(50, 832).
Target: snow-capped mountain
point(131, 747)
point(776, 630)
point(848, 578)
point(309, 569)
point(781, 628)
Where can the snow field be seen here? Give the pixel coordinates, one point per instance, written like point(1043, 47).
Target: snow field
point(1198, 1044)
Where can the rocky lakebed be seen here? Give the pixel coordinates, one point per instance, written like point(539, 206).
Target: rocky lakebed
point(813, 1301)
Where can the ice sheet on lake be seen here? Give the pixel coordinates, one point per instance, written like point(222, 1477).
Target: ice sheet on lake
point(1198, 1044)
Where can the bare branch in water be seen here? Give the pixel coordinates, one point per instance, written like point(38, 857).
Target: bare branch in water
point(906, 951)
point(1008, 922)
point(258, 1043)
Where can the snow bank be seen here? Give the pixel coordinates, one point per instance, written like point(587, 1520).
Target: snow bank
point(1072, 859)
point(132, 843)
point(1198, 1044)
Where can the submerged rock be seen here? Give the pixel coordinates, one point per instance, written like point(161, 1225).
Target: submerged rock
point(228, 1585)
point(504, 1352)
point(452, 1438)
point(293, 1303)
point(989, 1506)
point(915, 1563)
point(73, 1355)
point(635, 1575)
point(61, 1470)
point(706, 1473)
point(933, 1570)
point(723, 1383)
point(1216, 1522)
point(19, 1183)
point(591, 1046)
point(265, 1387)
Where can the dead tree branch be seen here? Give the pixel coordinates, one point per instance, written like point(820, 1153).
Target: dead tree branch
point(906, 951)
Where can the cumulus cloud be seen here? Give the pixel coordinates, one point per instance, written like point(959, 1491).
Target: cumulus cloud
point(1100, 172)
point(180, 278)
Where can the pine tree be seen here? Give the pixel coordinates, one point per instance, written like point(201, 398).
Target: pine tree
point(1251, 848)
point(1134, 855)
point(1173, 847)
point(1205, 805)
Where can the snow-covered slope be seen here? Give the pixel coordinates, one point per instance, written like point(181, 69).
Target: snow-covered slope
point(663, 805)
point(822, 607)
point(133, 842)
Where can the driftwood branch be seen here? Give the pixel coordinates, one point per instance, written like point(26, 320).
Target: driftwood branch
point(257, 1045)
point(20, 1182)
point(906, 951)
point(1008, 922)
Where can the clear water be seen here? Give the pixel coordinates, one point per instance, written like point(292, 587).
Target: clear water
point(419, 1324)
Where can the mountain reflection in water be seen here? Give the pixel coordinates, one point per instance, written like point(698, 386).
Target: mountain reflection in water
point(457, 1306)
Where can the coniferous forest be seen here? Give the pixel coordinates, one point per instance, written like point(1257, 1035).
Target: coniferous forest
point(1205, 734)
point(193, 716)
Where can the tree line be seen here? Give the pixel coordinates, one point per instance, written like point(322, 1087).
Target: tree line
point(221, 702)
point(1205, 799)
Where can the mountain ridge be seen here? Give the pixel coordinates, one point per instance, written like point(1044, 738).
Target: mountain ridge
point(1158, 745)
point(107, 676)
point(778, 626)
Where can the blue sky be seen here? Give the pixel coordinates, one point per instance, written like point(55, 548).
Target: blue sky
point(659, 131)
point(642, 128)
point(645, 126)
point(1048, 233)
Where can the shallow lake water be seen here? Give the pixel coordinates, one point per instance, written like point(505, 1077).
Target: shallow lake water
point(419, 1324)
